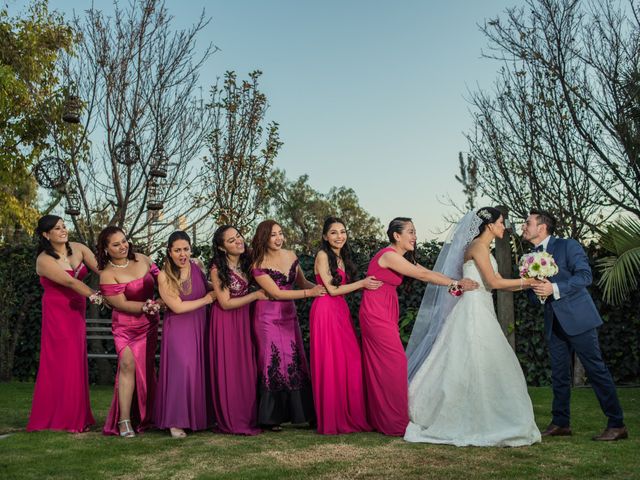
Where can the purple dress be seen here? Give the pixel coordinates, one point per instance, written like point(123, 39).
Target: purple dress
point(181, 400)
point(283, 374)
point(234, 375)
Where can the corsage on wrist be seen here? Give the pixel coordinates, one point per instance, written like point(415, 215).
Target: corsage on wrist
point(96, 298)
point(151, 307)
point(455, 289)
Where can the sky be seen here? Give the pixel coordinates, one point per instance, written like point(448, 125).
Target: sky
point(370, 95)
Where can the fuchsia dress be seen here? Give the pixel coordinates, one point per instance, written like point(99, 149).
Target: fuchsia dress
point(336, 366)
point(234, 375)
point(139, 332)
point(384, 360)
point(181, 400)
point(284, 383)
point(61, 395)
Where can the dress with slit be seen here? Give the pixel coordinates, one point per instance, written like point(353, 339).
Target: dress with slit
point(139, 332)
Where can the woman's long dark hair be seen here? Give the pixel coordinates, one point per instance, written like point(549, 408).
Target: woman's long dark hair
point(260, 241)
point(345, 254)
point(102, 256)
point(487, 215)
point(171, 270)
point(46, 224)
point(397, 226)
point(219, 257)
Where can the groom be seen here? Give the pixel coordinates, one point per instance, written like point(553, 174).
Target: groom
point(571, 322)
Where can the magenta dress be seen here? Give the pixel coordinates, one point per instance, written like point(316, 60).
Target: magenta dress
point(384, 360)
point(336, 366)
point(181, 398)
point(139, 332)
point(61, 395)
point(283, 375)
point(234, 375)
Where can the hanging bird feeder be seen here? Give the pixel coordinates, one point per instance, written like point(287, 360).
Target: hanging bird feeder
point(127, 152)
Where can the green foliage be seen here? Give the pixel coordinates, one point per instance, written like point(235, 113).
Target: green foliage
point(20, 312)
point(30, 102)
point(620, 271)
point(241, 151)
point(301, 210)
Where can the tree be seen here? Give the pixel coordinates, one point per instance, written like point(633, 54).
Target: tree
point(238, 164)
point(620, 270)
point(556, 131)
point(30, 101)
point(301, 210)
point(143, 123)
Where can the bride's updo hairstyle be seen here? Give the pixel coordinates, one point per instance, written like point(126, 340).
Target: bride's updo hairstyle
point(488, 215)
point(397, 225)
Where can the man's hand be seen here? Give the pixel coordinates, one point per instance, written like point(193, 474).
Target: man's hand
point(543, 288)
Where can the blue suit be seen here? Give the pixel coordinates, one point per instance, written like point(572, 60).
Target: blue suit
point(571, 324)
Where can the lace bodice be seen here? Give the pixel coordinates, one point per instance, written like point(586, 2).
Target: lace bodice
point(470, 270)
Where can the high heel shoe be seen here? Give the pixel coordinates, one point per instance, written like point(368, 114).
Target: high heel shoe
point(177, 432)
point(128, 433)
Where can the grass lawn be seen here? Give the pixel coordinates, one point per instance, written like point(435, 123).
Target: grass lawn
point(301, 453)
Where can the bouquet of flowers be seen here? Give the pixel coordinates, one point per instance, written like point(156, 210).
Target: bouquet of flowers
point(151, 307)
point(538, 265)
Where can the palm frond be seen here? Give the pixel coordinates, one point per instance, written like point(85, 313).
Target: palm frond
point(621, 270)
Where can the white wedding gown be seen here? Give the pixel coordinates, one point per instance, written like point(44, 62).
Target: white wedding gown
point(470, 390)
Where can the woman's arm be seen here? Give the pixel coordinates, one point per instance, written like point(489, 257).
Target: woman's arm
point(398, 263)
point(88, 258)
point(322, 268)
point(173, 301)
point(268, 285)
point(223, 295)
point(119, 301)
point(491, 278)
point(46, 266)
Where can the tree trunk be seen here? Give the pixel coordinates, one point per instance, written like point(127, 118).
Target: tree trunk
point(505, 310)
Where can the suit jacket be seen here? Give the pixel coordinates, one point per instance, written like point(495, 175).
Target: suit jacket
point(575, 309)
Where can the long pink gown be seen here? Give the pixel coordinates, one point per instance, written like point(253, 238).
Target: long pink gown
point(61, 395)
point(139, 333)
point(384, 360)
point(181, 398)
point(285, 393)
point(234, 374)
point(336, 366)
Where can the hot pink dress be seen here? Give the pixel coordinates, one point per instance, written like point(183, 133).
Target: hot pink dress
point(61, 395)
point(336, 366)
point(139, 332)
point(234, 374)
point(384, 360)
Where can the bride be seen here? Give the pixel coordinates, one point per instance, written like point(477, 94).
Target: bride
point(466, 386)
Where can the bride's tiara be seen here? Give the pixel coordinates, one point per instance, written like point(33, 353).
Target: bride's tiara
point(484, 215)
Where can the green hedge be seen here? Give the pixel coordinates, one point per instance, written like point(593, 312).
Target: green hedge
point(20, 294)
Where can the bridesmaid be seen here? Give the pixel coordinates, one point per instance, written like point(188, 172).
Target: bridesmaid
point(384, 360)
point(61, 395)
point(285, 390)
point(181, 401)
point(127, 281)
point(336, 365)
point(234, 375)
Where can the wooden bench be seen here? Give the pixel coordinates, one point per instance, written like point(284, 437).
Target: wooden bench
point(100, 329)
